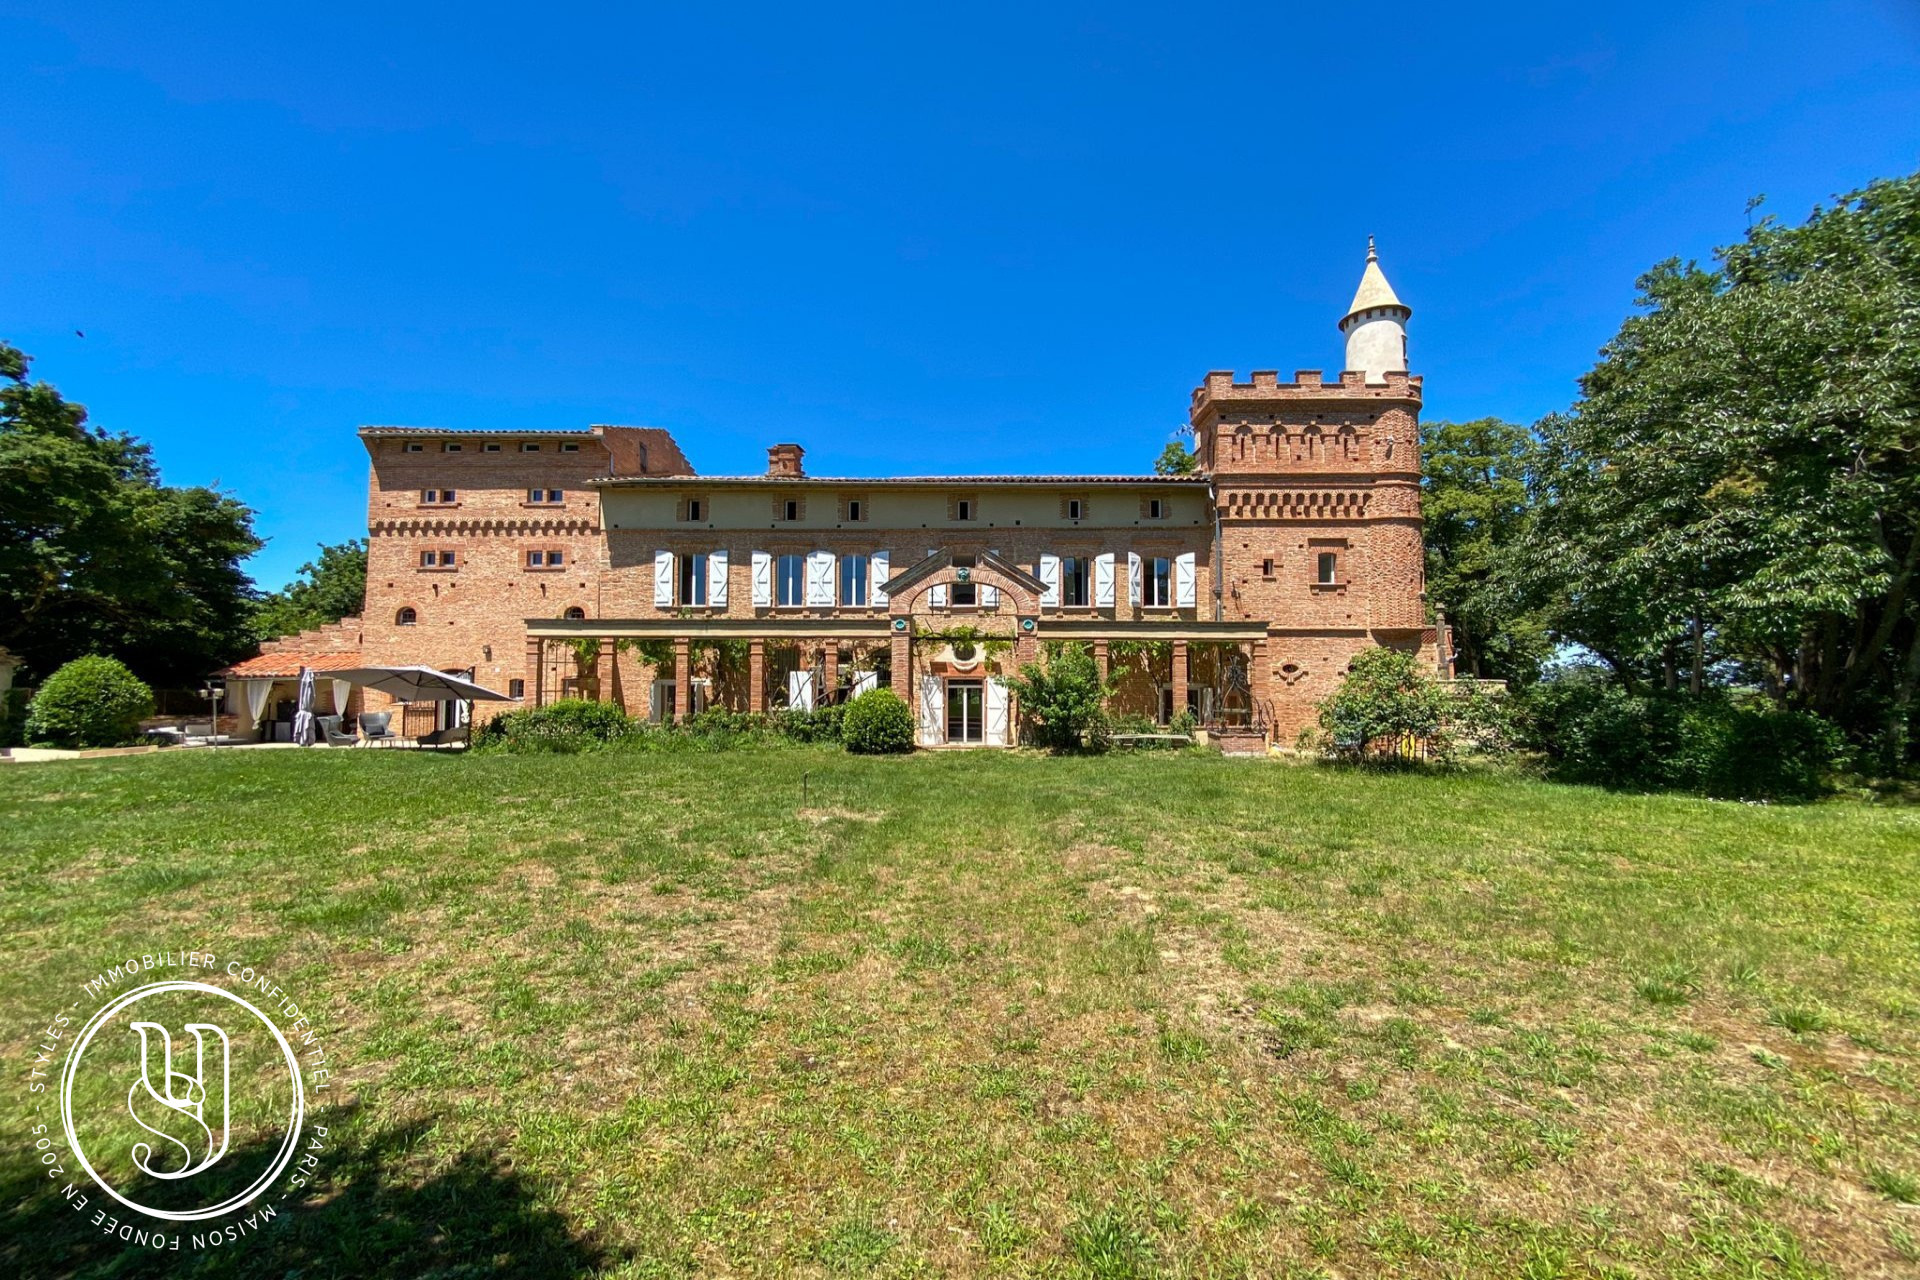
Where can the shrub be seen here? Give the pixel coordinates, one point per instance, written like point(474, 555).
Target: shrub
point(1387, 705)
point(1718, 744)
point(878, 722)
point(1060, 703)
point(560, 728)
point(90, 702)
point(821, 724)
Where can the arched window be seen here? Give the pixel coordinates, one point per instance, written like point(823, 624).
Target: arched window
point(406, 617)
point(575, 614)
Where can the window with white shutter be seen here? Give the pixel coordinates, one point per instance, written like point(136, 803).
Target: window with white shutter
point(1103, 580)
point(881, 572)
point(663, 579)
point(762, 580)
point(717, 578)
point(1049, 576)
point(1184, 579)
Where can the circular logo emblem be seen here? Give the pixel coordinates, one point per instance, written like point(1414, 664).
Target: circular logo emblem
point(182, 1101)
point(899, 624)
point(963, 573)
point(1026, 624)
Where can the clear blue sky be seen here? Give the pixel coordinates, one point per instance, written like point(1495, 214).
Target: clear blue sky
point(906, 238)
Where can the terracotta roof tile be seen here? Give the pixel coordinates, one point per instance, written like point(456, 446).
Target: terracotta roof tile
point(287, 665)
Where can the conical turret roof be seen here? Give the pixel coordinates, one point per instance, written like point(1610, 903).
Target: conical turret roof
point(1374, 290)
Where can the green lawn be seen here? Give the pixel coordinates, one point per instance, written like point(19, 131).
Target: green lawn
point(984, 1014)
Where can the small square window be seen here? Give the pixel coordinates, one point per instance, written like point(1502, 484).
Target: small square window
point(569, 447)
point(1156, 509)
point(1266, 568)
point(790, 510)
point(1329, 568)
point(528, 446)
point(965, 595)
point(516, 688)
point(446, 559)
point(963, 509)
point(428, 560)
point(489, 448)
point(451, 446)
point(414, 446)
point(555, 559)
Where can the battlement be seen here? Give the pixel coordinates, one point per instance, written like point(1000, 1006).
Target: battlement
point(1307, 384)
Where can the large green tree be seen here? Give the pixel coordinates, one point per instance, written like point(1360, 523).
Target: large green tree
point(1478, 513)
point(1738, 488)
point(327, 589)
point(98, 556)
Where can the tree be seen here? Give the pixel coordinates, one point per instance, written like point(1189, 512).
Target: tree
point(97, 556)
point(1478, 516)
point(1737, 492)
point(1062, 702)
point(89, 702)
point(1175, 460)
point(326, 590)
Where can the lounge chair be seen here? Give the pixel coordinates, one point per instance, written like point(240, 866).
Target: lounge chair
point(457, 736)
point(373, 727)
point(330, 726)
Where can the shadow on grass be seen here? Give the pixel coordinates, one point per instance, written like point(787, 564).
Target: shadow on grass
point(373, 1212)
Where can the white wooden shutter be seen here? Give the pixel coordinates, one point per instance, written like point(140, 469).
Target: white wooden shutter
point(1183, 580)
point(1050, 581)
point(864, 681)
point(762, 580)
point(663, 579)
point(819, 579)
point(933, 711)
point(880, 576)
point(989, 597)
point(800, 690)
point(936, 596)
point(996, 712)
point(1103, 580)
point(717, 578)
point(1136, 585)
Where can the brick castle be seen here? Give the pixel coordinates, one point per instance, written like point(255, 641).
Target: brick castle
point(597, 563)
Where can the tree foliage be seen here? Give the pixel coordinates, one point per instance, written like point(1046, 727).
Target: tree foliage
point(327, 589)
point(89, 702)
point(878, 722)
point(1479, 514)
point(1061, 702)
point(1737, 492)
point(97, 556)
point(1175, 460)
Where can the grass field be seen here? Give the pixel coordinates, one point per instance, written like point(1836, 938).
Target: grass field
point(982, 1014)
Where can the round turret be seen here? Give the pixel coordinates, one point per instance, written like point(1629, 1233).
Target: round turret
point(1376, 324)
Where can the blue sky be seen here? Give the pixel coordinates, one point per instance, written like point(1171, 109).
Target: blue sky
point(978, 238)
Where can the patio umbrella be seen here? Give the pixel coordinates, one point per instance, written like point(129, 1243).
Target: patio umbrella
point(419, 684)
point(303, 710)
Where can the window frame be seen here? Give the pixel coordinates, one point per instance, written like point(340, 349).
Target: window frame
point(406, 616)
point(852, 583)
point(1081, 571)
point(690, 579)
point(1327, 567)
point(798, 561)
point(1156, 582)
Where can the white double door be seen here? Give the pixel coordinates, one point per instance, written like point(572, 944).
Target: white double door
point(963, 712)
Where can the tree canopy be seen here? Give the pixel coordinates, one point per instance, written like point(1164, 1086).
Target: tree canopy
point(97, 556)
point(1738, 488)
point(327, 589)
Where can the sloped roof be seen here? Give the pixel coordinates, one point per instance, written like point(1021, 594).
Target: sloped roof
point(1374, 290)
point(286, 666)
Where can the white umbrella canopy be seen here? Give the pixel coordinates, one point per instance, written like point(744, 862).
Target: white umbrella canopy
point(419, 684)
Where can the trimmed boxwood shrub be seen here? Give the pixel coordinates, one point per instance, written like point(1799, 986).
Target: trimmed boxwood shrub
point(559, 728)
point(877, 722)
point(90, 702)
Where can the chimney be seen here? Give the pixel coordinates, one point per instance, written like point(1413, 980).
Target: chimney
point(784, 460)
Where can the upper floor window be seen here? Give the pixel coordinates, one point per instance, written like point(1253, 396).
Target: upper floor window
point(546, 497)
point(792, 580)
point(529, 446)
point(1328, 568)
point(439, 497)
point(856, 510)
point(963, 509)
point(451, 446)
point(575, 614)
point(516, 688)
point(965, 595)
point(1076, 509)
point(437, 559)
point(693, 578)
point(790, 509)
point(1159, 583)
point(549, 559)
point(1156, 509)
point(569, 447)
point(413, 446)
point(854, 581)
point(489, 448)
point(1075, 571)
point(696, 509)
point(406, 617)
point(1266, 568)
